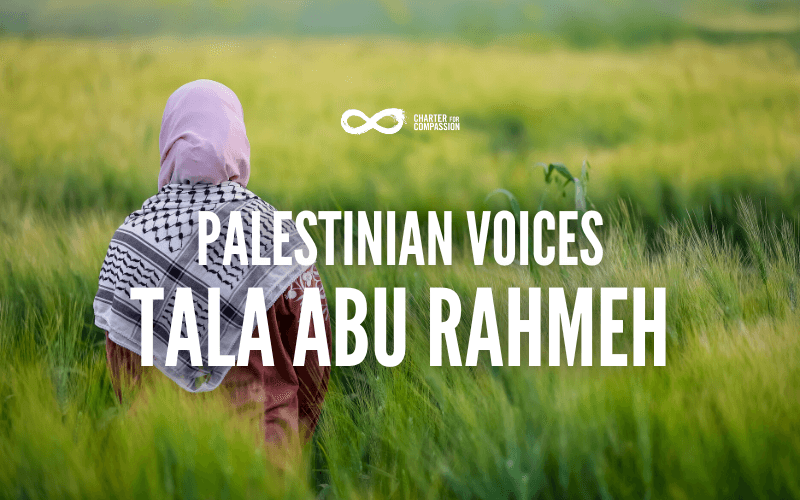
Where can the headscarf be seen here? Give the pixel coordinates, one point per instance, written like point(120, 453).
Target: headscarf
point(203, 137)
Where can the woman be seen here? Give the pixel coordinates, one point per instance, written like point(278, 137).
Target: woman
point(205, 165)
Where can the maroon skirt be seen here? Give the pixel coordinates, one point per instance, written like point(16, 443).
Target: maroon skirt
point(287, 398)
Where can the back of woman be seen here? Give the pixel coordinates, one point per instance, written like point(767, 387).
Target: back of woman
point(205, 167)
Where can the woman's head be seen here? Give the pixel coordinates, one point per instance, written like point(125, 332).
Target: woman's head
point(202, 137)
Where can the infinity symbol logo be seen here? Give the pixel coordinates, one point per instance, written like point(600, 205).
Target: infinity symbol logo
point(372, 123)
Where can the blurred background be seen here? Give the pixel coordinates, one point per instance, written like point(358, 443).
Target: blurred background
point(679, 106)
point(578, 22)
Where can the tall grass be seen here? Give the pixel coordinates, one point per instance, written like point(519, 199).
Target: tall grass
point(719, 421)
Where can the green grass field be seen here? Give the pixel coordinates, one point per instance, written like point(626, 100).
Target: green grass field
point(679, 135)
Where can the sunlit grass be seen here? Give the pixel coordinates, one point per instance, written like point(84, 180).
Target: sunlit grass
point(673, 127)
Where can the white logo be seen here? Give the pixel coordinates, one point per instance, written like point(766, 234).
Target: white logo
point(372, 123)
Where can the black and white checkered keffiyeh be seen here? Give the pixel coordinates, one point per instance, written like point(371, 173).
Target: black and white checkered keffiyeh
point(157, 246)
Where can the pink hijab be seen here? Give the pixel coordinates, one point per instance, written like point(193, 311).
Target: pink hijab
point(202, 137)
